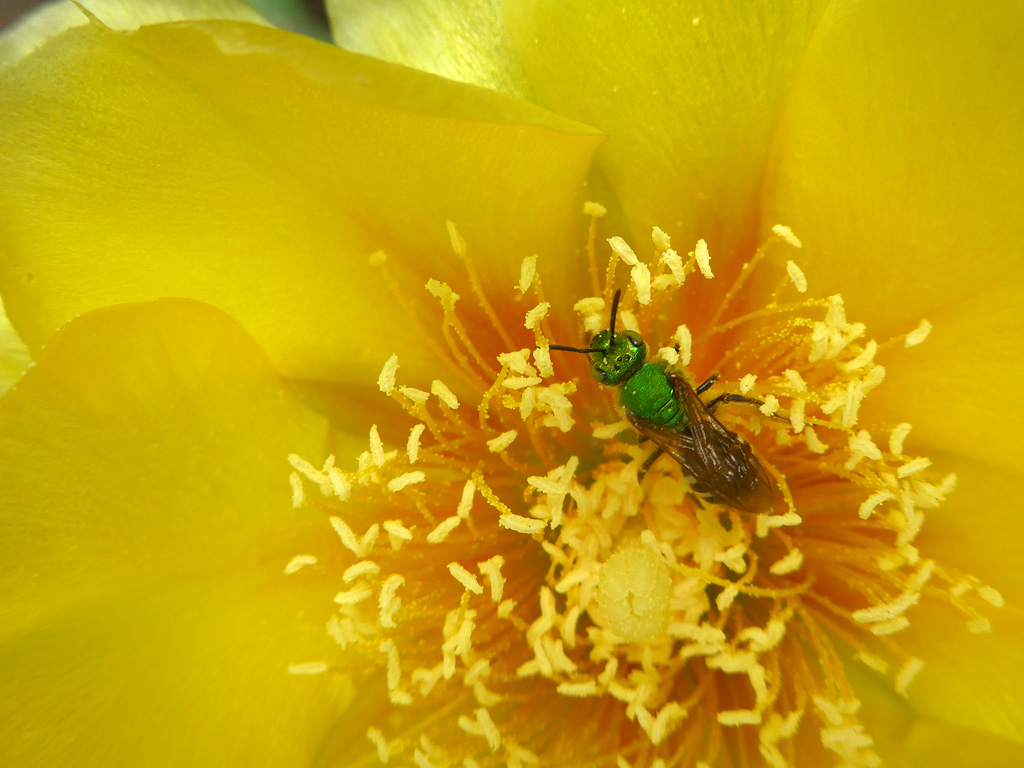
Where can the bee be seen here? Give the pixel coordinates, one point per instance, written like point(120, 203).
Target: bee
point(719, 465)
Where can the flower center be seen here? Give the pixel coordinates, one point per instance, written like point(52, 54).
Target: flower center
point(550, 575)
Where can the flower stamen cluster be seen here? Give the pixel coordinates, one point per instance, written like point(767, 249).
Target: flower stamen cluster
point(519, 595)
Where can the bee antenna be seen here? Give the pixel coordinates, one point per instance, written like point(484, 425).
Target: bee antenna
point(572, 349)
point(615, 309)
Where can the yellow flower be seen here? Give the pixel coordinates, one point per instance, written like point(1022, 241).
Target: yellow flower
point(214, 239)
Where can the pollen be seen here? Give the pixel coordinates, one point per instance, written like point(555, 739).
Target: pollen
point(533, 575)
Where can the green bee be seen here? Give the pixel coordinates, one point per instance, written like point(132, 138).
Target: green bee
point(718, 464)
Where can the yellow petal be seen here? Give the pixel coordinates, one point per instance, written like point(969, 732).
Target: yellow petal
point(464, 41)
point(35, 28)
point(900, 164)
point(979, 529)
point(14, 357)
point(908, 740)
point(257, 171)
point(147, 520)
point(689, 92)
point(969, 680)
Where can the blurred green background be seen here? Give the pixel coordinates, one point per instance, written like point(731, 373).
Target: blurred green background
point(304, 16)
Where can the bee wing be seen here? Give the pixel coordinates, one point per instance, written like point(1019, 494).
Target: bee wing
point(722, 463)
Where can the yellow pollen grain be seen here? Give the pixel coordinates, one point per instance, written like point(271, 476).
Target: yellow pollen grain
point(608, 431)
point(703, 258)
point(465, 578)
point(405, 480)
point(491, 568)
point(413, 395)
point(440, 390)
point(747, 383)
point(797, 276)
point(870, 504)
point(780, 521)
point(906, 674)
point(397, 533)
point(814, 443)
point(788, 564)
point(887, 611)
point(362, 568)
point(466, 501)
point(796, 381)
point(520, 382)
point(483, 717)
point(919, 334)
point(520, 524)
point(386, 379)
point(991, 596)
point(785, 234)
point(376, 447)
point(897, 437)
point(542, 356)
point(484, 696)
point(664, 723)
point(579, 690)
point(502, 441)
point(797, 415)
point(537, 314)
point(353, 596)
point(359, 547)
point(388, 602)
point(674, 262)
point(863, 359)
point(308, 668)
point(339, 483)
point(518, 361)
point(527, 271)
point(871, 661)
point(591, 305)
point(641, 277)
point(377, 739)
point(446, 526)
point(299, 562)
point(770, 405)
point(303, 467)
point(412, 446)
point(481, 668)
point(470, 726)
point(862, 444)
point(684, 342)
point(591, 208)
point(389, 649)
point(298, 493)
point(913, 466)
point(623, 251)
point(738, 717)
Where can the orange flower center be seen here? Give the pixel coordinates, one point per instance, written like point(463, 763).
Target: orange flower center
point(517, 590)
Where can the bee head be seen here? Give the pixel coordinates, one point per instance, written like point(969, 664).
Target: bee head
point(614, 358)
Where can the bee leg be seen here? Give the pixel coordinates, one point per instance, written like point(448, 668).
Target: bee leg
point(642, 472)
point(707, 383)
point(731, 398)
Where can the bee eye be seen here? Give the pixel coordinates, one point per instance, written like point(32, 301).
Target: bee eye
point(635, 343)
